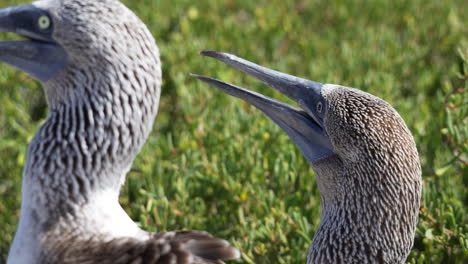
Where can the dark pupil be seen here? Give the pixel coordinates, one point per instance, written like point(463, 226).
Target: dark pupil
point(319, 107)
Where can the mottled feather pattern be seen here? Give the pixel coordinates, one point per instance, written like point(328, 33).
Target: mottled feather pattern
point(183, 247)
point(375, 182)
point(102, 105)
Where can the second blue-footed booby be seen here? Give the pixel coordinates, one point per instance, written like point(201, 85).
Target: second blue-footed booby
point(364, 157)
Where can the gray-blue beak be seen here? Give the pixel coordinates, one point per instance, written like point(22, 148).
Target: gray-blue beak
point(303, 125)
point(40, 56)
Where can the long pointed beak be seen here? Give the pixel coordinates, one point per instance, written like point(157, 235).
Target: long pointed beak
point(305, 92)
point(304, 126)
point(39, 57)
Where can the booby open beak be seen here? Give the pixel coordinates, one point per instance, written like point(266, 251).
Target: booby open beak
point(39, 56)
point(303, 125)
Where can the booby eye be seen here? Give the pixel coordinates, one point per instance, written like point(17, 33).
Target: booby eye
point(43, 22)
point(319, 107)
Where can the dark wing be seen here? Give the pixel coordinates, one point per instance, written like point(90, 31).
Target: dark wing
point(183, 247)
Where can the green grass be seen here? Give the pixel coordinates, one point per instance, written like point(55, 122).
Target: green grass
point(215, 163)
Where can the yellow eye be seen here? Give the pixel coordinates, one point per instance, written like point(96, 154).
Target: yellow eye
point(43, 22)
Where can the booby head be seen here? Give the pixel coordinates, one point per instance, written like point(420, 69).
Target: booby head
point(363, 155)
point(99, 66)
point(67, 39)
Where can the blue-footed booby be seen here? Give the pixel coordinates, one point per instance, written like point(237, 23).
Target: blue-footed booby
point(364, 157)
point(100, 68)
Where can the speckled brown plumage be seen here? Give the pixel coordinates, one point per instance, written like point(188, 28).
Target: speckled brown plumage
point(370, 190)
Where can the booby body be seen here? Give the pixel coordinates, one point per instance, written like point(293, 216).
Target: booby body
point(364, 157)
point(101, 72)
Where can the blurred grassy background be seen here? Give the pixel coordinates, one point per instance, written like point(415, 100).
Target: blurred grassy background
point(215, 163)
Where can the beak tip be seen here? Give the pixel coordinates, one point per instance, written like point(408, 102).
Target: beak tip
point(195, 75)
point(214, 54)
point(207, 52)
point(200, 77)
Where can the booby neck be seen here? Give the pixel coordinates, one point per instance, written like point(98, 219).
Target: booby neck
point(370, 189)
point(76, 165)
